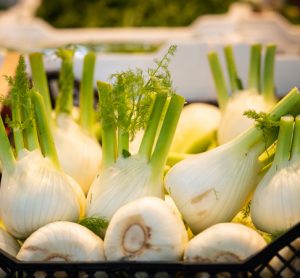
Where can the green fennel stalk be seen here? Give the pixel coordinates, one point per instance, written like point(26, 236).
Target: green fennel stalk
point(254, 67)
point(86, 101)
point(218, 76)
point(39, 78)
point(64, 102)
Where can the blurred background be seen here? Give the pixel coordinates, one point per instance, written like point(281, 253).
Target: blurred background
point(136, 13)
point(133, 33)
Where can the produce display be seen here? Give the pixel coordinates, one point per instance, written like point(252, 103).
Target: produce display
point(158, 184)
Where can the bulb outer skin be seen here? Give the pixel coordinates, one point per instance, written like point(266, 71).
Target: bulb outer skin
point(62, 241)
point(79, 154)
point(275, 205)
point(126, 180)
point(224, 243)
point(145, 229)
point(35, 194)
point(233, 122)
point(8, 243)
point(212, 187)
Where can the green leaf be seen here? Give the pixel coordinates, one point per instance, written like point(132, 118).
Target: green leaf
point(96, 224)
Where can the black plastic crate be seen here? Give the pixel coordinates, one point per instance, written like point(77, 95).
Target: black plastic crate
point(272, 261)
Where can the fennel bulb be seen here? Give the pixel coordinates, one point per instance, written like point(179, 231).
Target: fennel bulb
point(259, 97)
point(275, 205)
point(8, 243)
point(233, 122)
point(128, 106)
point(79, 154)
point(212, 187)
point(224, 243)
point(145, 229)
point(62, 241)
point(196, 128)
point(35, 194)
point(34, 191)
point(78, 150)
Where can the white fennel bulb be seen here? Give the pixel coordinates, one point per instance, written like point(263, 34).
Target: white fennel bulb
point(124, 177)
point(224, 243)
point(196, 128)
point(145, 229)
point(275, 205)
point(259, 96)
point(212, 187)
point(62, 241)
point(128, 179)
point(35, 194)
point(233, 121)
point(34, 190)
point(79, 154)
point(8, 243)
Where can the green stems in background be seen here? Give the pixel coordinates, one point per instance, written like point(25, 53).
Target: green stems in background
point(39, 78)
point(235, 82)
point(254, 67)
point(64, 102)
point(268, 89)
point(219, 80)
point(86, 102)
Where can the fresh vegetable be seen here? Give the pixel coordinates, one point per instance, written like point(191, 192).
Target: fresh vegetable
point(8, 243)
point(196, 128)
point(145, 229)
point(78, 150)
point(275, 205)
point(127, 106)
point(224, 243)
point(34, 190)
point(257, 96)
point(62, 241)
point(212, 187)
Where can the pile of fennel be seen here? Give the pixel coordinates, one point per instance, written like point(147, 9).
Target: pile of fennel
point(212, 187)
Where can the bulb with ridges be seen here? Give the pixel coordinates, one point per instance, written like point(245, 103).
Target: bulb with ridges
point(79, 154)
point(62, 241)
point(36, 193)
point(145, 229)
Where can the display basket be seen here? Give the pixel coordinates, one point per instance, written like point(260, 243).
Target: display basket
point(281, 258)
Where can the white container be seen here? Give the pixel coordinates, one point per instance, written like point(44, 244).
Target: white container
point(189, 67)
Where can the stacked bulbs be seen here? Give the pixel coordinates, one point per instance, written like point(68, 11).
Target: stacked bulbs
point(47, 200)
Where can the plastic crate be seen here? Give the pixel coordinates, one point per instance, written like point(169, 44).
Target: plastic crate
point(281, 258)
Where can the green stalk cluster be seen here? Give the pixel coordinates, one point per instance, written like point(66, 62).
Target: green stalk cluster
point(29, 124)
point(64, 102)
point(265, 87)
point(133, 103)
